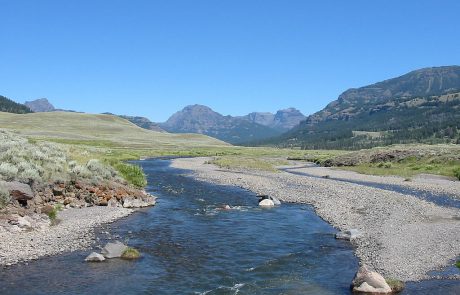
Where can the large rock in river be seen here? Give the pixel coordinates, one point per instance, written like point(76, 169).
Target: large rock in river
point(370, 282)
point(114, 250)
point(94, 257)
point(266, 203)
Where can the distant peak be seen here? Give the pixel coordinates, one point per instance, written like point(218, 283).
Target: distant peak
point(40, 105)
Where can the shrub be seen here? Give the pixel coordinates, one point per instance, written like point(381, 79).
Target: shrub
point(8, 171)
point(5, 197)
point(457, 172)
point(132, 173)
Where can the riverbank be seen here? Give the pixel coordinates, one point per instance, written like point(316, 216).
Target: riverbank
point(74, 231)
point(403, 237)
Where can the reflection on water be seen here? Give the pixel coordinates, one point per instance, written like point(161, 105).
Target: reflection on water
point(191, 245)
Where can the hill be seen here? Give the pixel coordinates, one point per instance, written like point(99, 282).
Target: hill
point(421, 106)
point(201, 119)
point(103, 130)
point(9, 106)
point(143, 122)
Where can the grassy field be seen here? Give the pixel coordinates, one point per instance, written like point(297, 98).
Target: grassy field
point(99, 130)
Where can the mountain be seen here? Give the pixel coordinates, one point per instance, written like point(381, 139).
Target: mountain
point(282, 121)
point(142, 122)
point(420, 106)
point(202, 119)
point(40, 105)
point(9, 106)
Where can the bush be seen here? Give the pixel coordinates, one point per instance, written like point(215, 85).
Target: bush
point(457, 172)
point(132, 173)
point(5, 197)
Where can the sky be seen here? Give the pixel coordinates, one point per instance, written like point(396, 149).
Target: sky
point(152, 58)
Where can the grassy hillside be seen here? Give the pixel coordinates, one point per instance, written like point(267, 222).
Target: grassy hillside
point(99, 130)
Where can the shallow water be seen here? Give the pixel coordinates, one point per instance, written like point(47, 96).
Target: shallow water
point(190, 246)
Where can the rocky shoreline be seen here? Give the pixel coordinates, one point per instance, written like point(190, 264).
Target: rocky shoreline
point(403, 237)
point(74, 231)
point(60, 217)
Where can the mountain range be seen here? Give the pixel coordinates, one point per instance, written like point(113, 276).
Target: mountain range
point(420, 106)
point(235, 130)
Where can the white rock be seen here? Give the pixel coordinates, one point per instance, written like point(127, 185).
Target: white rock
point(95, 257)
point(266, 203)
point(367, 281)
point(24, 222)
point(113, 250)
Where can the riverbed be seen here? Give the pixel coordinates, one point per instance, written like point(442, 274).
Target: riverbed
point(191, 245)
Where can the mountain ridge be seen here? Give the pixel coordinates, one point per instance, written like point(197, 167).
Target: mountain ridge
point(393, 107)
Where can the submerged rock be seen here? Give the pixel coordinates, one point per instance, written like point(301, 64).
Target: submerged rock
point(114, 250)
point(266, 203)
point(95, 257)
point(349, 235)
point(371, 282)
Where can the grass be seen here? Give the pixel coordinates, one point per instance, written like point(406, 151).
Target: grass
point(130, 253)
point(132, 173)
point(99, 130)
point(408, 161)
point(113, 140)
point(395, 285)
point(457, 264)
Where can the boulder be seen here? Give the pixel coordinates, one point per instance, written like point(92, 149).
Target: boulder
point(114, 250)
point(113, 203)
point(132, 202)
point(47, 209)
point(58, 191)
point(19, 191)
point(266, 197)
point(94, 257)
point(349, 235)
point(370, 282)
point(266, 203)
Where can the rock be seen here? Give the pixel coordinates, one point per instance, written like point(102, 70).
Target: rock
point(24, 222)
point(114, 250)
point(266, 197)
point(130, 254)
point(47, 209)
point(95, 257)
point(19, 191)
point(367, 281)
point(58, 191)
point(266, 203)
point(348, 234)
point(103, 202)
point(113, 203)
point(145, 201)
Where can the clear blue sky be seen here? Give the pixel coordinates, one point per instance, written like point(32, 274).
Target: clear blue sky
point(152, 58)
